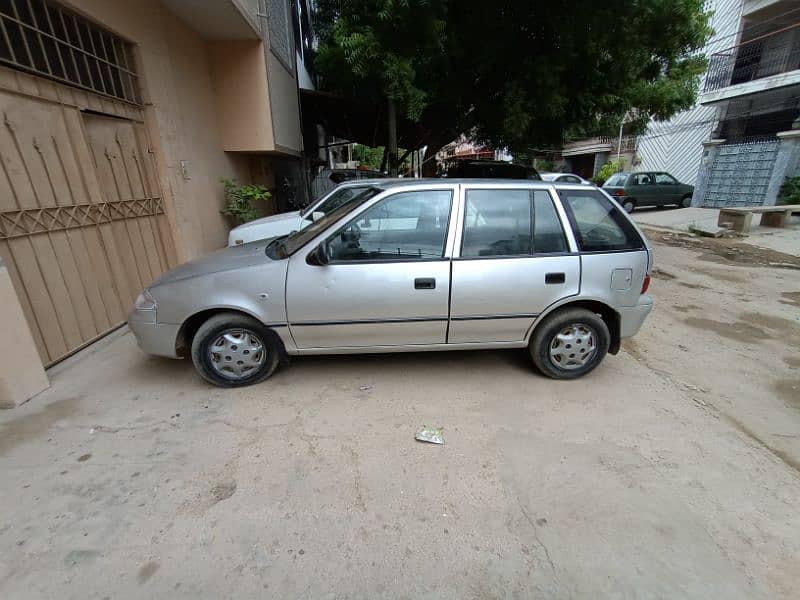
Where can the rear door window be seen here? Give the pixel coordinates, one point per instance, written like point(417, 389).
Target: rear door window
point(510, 223)
point(598, 224)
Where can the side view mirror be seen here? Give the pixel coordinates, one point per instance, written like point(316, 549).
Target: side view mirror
point(317, 215)
point(320, 256)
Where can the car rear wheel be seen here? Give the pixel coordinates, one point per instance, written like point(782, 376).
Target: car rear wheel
point(686, 202)
point(629, 205)
point(233, 350)
point(569, 343)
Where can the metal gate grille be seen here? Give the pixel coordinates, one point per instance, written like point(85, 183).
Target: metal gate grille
point(740, 174)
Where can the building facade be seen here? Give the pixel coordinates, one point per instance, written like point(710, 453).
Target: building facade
point(119, 119)
point(675, 145)
point(753, 87)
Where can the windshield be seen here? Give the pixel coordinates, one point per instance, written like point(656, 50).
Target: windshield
point(297, 239)
point(616, 180)
point(334, 200)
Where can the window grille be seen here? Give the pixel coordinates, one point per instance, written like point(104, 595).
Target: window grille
point(42, 37)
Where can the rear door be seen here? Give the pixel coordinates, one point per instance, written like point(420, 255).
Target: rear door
point(511, 261)
point(669, 190)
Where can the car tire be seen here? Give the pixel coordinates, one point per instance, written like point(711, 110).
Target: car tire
point(562, 342)
point(686, 202)
point(233, 350)
point(629, 205)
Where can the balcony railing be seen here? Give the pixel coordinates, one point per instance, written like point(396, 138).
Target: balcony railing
point(771, 54)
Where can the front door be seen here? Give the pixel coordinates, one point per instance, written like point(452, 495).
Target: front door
point(643, 189)
point(387, 282)
point(514, 262)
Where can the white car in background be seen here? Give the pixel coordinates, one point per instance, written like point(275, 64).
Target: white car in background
point(285, 223)
point(564, 178)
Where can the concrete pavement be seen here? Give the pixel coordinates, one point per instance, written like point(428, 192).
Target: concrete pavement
point(671, 471)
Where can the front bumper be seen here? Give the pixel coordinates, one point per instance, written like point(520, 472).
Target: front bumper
point(632, 317)
point(153, 338)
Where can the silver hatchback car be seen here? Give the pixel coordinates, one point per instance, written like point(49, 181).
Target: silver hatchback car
point(559, 269)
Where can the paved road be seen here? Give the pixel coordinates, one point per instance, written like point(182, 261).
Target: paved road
point(672, 471)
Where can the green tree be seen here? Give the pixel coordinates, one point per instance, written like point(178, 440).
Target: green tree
point(368, 156)
point(516, 74)
point(382, 49)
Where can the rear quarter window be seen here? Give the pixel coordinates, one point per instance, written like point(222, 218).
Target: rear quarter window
point(599, 225)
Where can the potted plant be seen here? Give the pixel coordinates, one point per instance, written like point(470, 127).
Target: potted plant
point(241, 200)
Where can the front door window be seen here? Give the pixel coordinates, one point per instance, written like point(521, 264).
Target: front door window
point(402, 227)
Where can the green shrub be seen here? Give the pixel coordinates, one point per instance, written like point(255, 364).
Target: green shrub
point(239, 200)
point(607, 170)
point(790, 191)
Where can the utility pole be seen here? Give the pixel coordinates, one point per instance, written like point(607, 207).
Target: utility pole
point(619, 143)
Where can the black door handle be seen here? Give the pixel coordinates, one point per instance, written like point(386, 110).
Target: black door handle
point(424, 283)
point(551, 278)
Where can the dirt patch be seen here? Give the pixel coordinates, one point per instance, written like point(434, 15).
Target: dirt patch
point(223, 490)
point(28, 428)
point(693, 286)
point(772, 322)
point(740, 331)
point(687, 308)
point(792, 361)
point(719, 274)
point(661, 274)
point(791, 298)
point(726, 251)
point(789, 391)
point(146, 572)
point(780, 454)
point(784, 329)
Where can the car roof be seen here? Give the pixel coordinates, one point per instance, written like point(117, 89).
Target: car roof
point(482, 181)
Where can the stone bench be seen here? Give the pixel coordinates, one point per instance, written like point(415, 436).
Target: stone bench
point(740, 219)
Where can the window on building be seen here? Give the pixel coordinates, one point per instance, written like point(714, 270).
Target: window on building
point(279, 30)
point(43, 37)
point(510, 223)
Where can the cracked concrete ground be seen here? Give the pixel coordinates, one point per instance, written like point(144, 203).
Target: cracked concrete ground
point(670, 472)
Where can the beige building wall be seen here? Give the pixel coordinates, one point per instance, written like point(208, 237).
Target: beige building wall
point(242, 95)
point(182, 118)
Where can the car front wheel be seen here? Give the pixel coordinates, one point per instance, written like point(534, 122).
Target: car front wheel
point(569, 343)
point(233, 350)
point(686, 202)
point(629, 205)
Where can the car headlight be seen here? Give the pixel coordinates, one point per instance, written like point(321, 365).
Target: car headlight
point(145, 301)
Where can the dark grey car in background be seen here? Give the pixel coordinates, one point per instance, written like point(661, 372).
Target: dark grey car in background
point(650, 188)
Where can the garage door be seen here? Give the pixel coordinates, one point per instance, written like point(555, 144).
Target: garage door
point(82, 221)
